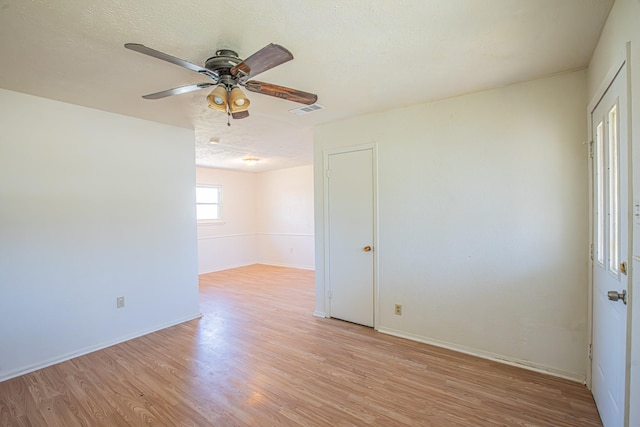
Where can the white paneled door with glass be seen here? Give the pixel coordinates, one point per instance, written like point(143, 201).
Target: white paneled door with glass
point(611, 250)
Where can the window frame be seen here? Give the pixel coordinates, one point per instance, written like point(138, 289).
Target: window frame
point(613, 241)
point(601, 174)
point(213, 221)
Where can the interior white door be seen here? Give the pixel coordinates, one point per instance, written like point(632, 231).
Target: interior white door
point(611, 250)
point(350, 202)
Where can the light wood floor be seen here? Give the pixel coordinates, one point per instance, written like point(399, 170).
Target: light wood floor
point(259, 358)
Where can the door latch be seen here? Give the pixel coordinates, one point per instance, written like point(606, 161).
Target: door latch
point(615, 296)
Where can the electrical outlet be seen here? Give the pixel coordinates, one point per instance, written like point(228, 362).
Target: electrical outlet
point(120, 302)
point(399, 309)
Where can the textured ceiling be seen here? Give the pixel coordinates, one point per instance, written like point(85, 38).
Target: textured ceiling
point(359, 56)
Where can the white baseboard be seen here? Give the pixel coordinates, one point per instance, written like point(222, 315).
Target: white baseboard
point(227, 267)
point(320, 314)
point(91, 349)
point(298, 266)
point(487, 355)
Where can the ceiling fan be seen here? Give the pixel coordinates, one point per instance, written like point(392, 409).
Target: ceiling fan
point(227, 72)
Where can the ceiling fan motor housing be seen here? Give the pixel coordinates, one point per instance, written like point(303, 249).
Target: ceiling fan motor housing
point(222, 63)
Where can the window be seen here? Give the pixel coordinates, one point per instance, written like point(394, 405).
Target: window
point(614, 192)
point(607, 192)
point(600, 193)
point(208, 203)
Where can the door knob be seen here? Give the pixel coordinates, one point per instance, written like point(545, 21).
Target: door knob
point(615, 296)
point(367, 249)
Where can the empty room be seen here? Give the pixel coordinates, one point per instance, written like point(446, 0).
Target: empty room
point(322, 213)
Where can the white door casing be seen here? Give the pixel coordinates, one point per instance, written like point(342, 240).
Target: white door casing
point(350, 204)
point(611, 250)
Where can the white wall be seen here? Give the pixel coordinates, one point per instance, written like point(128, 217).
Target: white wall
point(232, 242)
point(483, 225)
point(622, 26)
point(285, 217)
point(93, 206)
point(267, 219)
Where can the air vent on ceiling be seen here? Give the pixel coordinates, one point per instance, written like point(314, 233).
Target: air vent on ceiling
point(306, 109)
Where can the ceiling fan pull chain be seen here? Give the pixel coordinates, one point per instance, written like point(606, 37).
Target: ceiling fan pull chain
point(228, 118)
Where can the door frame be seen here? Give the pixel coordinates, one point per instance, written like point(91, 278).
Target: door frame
point(622, 60)
point(327, 267)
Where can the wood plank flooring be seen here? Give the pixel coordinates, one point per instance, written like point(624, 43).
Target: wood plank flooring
point(259, 358)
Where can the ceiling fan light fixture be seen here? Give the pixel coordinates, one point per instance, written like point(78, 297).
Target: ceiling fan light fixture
point(217, 99)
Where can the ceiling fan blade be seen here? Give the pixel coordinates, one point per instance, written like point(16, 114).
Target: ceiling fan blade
point(172, 59)
point(281, 92)
point(240, 115)
point(265, 59)
point(178, 90)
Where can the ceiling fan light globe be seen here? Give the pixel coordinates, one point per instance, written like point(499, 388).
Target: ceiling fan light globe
point(238, 101)
point(217, 99)
point(222, 108)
